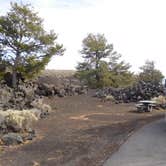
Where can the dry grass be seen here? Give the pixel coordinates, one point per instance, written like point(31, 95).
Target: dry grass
point(108, 98)
point(21, 120)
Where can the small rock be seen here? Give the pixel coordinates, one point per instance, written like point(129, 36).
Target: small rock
point(30, 135)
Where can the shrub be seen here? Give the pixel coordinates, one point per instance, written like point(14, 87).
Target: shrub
point(18, 120)
point(160, 100)
point(108, 98)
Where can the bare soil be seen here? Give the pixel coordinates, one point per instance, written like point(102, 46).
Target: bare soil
point(81, 131)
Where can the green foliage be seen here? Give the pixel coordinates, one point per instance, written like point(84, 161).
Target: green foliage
point(120, 74)
point(104, 75)
point(86, 76)
point(24, 44)
point(102, 66)
point(95, 47)
point(149, 73)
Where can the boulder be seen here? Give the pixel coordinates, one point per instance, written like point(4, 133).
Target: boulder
point(41, 108)
point(44, 89)
point(61, 93)
point(8, 79)
point(5, 95)
point(12, 139)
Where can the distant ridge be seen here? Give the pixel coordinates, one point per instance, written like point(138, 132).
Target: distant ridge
point(58, 73)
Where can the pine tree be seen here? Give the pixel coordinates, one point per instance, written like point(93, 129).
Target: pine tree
point(24, 44)
point(102, 66)
point(149, 73)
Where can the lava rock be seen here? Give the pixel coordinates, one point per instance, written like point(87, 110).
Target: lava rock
point(12, 139)
point(137, 92)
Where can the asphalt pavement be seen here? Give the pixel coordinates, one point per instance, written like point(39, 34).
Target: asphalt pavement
point(146, 147)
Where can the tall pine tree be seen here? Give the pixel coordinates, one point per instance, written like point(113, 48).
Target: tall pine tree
point(24, 44)
point(102, 66)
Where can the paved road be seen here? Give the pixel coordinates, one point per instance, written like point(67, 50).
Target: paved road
point(147, 147)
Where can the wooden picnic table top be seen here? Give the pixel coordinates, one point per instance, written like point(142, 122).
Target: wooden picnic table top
point(147, 102)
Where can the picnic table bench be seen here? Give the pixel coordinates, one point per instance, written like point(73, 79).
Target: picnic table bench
point(145, 105)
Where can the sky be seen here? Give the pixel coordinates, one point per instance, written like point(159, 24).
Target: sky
point(136, 28)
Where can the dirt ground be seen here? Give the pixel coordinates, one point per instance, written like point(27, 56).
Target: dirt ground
point(81, 131)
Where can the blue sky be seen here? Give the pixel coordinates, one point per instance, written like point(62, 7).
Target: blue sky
point(137, 28)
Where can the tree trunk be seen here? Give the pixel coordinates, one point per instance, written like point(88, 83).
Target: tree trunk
point(14, 79)
point(14, 74)
point(97, 67)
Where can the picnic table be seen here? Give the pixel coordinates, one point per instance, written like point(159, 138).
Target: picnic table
point(145, 105)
